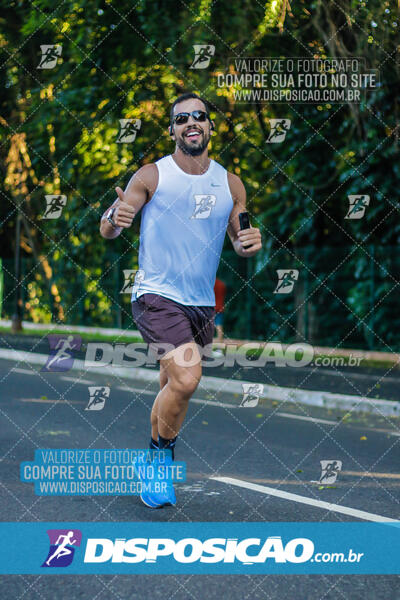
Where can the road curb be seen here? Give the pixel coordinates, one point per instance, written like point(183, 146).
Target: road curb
point(322, 399)
point(38, 327)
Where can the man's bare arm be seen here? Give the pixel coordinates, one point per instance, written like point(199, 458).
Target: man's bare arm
point(251, 238)
point(138, 191)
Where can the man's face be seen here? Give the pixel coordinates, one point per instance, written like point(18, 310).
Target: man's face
point(191, 137)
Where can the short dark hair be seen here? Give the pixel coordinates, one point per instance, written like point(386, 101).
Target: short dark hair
point(187, 96)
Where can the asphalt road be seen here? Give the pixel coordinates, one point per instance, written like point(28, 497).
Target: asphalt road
point(275, 446)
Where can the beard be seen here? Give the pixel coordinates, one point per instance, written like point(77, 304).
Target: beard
point(193, 148)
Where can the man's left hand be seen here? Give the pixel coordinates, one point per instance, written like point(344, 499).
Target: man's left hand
point(249, 241)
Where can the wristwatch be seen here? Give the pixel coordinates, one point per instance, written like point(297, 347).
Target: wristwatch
point(109, 217)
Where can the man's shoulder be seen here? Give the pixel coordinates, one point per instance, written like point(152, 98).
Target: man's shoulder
point(235, 185)
point(147, 178)
point(148, 170)
point(148, 175)
point(233, 178)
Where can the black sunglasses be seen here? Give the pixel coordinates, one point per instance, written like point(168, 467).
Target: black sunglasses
point(183, 117)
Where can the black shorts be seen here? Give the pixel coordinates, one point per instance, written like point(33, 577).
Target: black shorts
point(161, 320)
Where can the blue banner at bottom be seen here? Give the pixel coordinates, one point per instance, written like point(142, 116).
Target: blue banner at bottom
point(202, 548)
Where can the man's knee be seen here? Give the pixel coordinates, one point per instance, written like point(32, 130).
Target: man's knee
point(185, 381)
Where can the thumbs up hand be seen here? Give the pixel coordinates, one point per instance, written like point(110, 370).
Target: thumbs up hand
point(124, 213)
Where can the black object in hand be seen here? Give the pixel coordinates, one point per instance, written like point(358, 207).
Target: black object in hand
point(244, 220)
point(244, 223)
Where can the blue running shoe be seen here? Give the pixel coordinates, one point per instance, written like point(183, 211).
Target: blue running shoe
point(166, 494)
point(140, 470)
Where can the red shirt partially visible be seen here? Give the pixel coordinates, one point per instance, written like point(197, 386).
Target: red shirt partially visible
point(220, 293)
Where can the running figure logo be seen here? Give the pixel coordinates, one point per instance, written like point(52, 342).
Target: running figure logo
point(329, 470)
point(357, 206)
point(54, 206)
point(279, 129)
point(128, 129)
point(62, 350)
point(204, 204)
point(129, 281)
point(286, 280)
point(132, 281)
point(251, 394)
point(139, 278)
point(50, 53)
point(202, 56)
point(62, 547)
point(98, 397)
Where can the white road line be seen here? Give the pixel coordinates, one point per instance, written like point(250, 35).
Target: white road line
point(301, 418)
point(124, 388)
point(214, 403)
point(24, 371)
point(353, 512)
point(77, 380)
point(344, 374)
point(50, 401)
point(315, 420)
point(387, 431)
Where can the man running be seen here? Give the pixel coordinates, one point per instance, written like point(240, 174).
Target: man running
point(188, 203)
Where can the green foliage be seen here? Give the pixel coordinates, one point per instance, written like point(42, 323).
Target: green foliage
point(123, 60)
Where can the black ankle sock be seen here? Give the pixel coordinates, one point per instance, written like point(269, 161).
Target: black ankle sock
point(167, 444)
point(153, 444)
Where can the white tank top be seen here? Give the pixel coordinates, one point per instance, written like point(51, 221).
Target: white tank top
point(182, 232)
